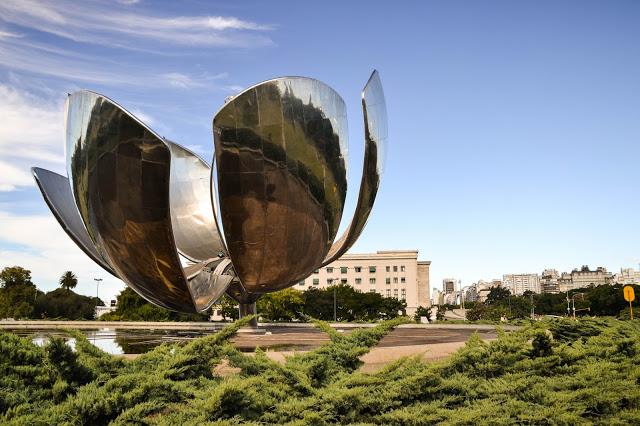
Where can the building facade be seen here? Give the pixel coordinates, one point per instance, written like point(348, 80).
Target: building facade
point(585, 277)
point(627, 276)
point(396, 273)
point(449, 285)
point(520, 283)
point(549, 281)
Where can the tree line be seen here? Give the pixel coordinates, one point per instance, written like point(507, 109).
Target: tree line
point(21, 299)
point(603, 300)
point(339, 302)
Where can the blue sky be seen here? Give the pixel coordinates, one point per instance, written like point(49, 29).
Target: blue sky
point(514, 127)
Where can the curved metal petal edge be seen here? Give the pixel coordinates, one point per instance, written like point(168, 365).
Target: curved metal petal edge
point(193, 217)
point(375, 126)
point(56, 192)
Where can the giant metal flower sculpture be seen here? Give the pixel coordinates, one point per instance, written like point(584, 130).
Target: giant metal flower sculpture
point(180, 233)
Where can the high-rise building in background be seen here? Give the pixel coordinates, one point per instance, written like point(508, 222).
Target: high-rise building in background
point(520, 283)
point(549, 281)
point(448, 285)
point(627, 276)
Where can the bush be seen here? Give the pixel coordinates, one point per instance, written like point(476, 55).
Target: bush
point(550, 372)
point(63, 303)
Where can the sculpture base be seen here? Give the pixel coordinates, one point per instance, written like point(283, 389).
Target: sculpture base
point(249, 309)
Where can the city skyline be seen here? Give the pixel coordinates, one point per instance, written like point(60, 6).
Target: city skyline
point(512, 128)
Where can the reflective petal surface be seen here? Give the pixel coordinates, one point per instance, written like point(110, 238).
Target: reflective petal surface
point(375, 126)
point(194, 226)
point(56, 192)
point(119, 172)
point(281, 172)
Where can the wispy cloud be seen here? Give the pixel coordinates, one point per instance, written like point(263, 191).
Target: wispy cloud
point(107, 23)
point(8, 34)
point(26, 56)
point(31, 132)
point(185, 81)
point(13, 177)
point(48, 257)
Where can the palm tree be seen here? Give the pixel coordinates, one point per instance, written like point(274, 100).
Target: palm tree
point(68, 280)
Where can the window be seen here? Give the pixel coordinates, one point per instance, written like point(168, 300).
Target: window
point(395, 280)
point(329, 270)
point(329, 281)
point(388, 268)
point(316, 281)
point(358, 280)
point(343, 269)
point(343, 281)
point(395, 268)
point(372, 280)
point(316, 271)
point(387, 280)
point(372, 269)
point(373, 290)
point(395, 293)
point(403, 294)
point(301, 282)
point(403, 280)
point(358, 268)
point(388, 292)
point(402, 268)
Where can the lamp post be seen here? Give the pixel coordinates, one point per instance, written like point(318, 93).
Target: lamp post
point(335, 305)
point(97, 280)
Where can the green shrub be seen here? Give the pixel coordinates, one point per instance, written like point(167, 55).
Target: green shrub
point(551, 372)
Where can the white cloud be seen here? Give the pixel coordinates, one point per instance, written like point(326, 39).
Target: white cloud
point(8, 34)
point(45, 60)
point(113, 25)
point(38, 243)
point(185, 81)
point(31, 132)
point(144, 117)
point(11, 177)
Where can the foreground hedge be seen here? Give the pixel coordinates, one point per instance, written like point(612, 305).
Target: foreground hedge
point(560, 372)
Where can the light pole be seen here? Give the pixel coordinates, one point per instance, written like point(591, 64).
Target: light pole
point(97, 280)
point(573, 302)
point(335, 305)
point(533, 311)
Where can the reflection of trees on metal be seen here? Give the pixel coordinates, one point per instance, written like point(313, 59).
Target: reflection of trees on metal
point(180, 234)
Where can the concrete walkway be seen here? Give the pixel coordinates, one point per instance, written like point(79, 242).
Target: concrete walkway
point(133, 325)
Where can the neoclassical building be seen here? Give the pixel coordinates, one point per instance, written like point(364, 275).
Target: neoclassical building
point(394, 273)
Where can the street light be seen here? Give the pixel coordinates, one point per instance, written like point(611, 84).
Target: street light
point(572, 306)
point(97, 280)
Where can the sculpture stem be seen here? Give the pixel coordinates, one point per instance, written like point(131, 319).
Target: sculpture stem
point(249, 309)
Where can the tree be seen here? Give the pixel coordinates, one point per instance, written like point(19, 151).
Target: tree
point(17, 293)
point(64, 303)
point(132, 307)
point(283, 305)
point(228, 307)
point(497, 294)
point(423, 312)
point(12, 276)
point(68, 280)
